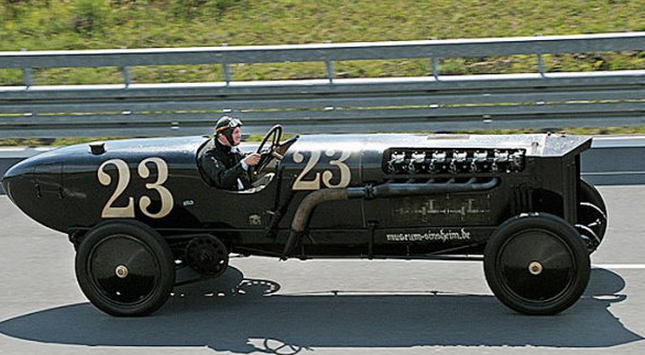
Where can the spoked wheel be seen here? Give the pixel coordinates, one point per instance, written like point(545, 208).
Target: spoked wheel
point(537, 264)
point(592, 216)
point(125, 268)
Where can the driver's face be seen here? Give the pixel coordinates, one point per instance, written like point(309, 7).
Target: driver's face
point(237, 136)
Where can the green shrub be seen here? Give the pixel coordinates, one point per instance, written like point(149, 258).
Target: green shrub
point(128, 3)
point(187, 8)
point(15, 8)
point(89, 16)
point(223, 5)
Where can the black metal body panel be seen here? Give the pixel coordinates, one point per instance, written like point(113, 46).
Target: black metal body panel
point(157, 181)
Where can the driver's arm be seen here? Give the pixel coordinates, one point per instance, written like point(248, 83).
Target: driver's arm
point(220, 176)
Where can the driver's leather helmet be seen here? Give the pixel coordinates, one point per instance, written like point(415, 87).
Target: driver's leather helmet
point(225, 126)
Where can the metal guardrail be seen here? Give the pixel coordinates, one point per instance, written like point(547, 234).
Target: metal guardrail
point(434, 102)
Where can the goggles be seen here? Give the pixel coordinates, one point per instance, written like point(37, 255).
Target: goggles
point(232, 123)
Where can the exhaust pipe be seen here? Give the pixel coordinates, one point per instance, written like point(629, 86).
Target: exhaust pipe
point(369, 192)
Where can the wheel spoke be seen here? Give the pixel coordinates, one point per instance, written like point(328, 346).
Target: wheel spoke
point(592, 213)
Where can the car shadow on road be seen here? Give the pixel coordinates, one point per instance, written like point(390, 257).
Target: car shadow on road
point(243, 316)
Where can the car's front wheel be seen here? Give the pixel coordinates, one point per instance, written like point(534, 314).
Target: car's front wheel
point(125, 268)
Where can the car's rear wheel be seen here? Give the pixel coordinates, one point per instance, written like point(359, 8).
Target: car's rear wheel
point(592, 215)
point(125, 268)
point(537, 264)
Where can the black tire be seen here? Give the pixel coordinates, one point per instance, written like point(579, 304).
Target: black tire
point(592, 214)
point(537, 264)
point(125, 268)
point(590, 194)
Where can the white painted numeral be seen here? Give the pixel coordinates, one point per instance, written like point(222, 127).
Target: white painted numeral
point(123, 180)
point(166, 197)
point(300, 184)
point(327, 175)
point(345, 172)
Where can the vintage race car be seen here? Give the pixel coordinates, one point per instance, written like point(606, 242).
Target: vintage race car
point(138, 211)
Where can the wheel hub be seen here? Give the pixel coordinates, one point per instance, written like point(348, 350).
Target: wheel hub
point(121, 271)
point(535, 268)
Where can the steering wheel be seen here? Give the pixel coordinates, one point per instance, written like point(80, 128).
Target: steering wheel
point(268, 153)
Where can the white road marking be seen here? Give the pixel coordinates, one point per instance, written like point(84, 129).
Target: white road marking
point(626, 266)
point(592, 173)
point(621, 266)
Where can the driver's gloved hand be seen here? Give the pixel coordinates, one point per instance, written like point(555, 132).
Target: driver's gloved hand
point(251, 159)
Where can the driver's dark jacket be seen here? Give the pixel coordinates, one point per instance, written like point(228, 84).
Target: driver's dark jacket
point(220, 167)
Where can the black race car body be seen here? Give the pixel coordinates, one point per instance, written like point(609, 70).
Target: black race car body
point(369, 196)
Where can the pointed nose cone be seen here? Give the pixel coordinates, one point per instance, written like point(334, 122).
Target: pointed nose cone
point(35, 186)
point(13, 181)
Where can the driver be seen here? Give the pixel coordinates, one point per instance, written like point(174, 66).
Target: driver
point(223, 164)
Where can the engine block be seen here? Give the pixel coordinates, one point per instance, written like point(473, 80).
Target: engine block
point(452, 161)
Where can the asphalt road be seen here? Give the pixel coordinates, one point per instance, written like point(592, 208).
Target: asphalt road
point(262, 305)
